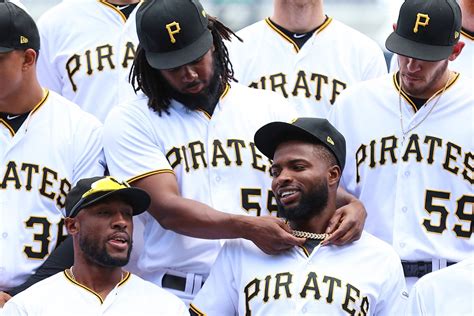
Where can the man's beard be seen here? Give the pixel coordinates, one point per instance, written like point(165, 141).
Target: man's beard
point(310, 205)
point(204, 100)
point(99, 255)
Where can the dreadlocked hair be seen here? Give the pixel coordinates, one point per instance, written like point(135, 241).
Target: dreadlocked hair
point(149, 80)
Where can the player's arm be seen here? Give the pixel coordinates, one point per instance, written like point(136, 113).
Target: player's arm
point(347, 223)
point(196, 219)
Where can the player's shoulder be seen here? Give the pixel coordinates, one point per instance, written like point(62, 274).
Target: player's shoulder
point(253, 30)
point(350, 37)
point(376, 246)
point(38, 289)
point(146, 290)
point(67, 11)
point(135, 107)
point(461, 270)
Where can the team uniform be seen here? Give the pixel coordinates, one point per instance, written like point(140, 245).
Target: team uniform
point(87, 50)
point(132, 296)
point(445, 292)
point(417, 187)
point(57, 145)
point(361, 278)
point(464, 63)
point(215, 162)
point(312, 76)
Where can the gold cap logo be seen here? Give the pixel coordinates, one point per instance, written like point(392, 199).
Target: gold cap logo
point(173, 28)
point(456, 34)
point(421, 20)
point(203, 13)
point(23, 40)
point(329, 140)
point(293, 120)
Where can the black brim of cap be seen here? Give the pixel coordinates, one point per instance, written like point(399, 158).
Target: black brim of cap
point(268, 137)
point(137, 198)
point(402, 46)
point(180, 57)
point(6, 49)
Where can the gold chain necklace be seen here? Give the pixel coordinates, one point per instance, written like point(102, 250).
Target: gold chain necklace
point(404, 133)
point(302, 234)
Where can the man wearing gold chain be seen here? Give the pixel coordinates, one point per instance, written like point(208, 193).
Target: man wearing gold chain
point(99, 218)
point(409, 142)
point(364, 277)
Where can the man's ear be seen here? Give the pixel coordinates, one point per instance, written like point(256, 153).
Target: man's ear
point(30, 59)
point(456, 51)
point(334, 174)
point(72, 225)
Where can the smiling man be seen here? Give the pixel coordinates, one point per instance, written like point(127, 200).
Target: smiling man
point(409, 142)
point(99, 219)
point(364, 277)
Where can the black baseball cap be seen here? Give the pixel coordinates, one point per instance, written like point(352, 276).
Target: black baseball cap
point(173, 32)
point(316, 130)
point(93, 190)
point(426, 29)
point(17, 29)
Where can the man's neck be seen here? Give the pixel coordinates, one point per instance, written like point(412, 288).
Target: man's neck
point(23, 100)
point(97, 278)
point(122, 2)
point(318, 223)
point(298, 17)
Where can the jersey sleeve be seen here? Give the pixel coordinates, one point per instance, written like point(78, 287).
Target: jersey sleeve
point(11, 308)
point(48, 76)
point(131, 148)
point(375, 66)
point(89, 159)
point(219, 294)
point(393, 297)
point(416, 304)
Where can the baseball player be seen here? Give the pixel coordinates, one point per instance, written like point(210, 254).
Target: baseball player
point(409, 142)
point(189, 143)
point(465, 61)
point(304, 55)
point(87, 52)
point(99, 218)
point(363, 278)
point(47, 144)
point(445, 292)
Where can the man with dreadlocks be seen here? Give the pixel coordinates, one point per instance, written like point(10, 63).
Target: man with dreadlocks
point(188, 141)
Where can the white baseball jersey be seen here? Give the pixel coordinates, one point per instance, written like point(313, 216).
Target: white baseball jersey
point(362, 278)
point(131, 296)
point(464, 63)
point(87, 50)
point(418, 192)
point(445, 292)
point(312, 77)
point(214, 159)
point(57, 145)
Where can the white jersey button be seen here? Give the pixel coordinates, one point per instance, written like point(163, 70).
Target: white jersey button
point(218, 179)
point(407, 173)
point(402, 245)
point(404, 209)
point(5, 235)
point(304, 310)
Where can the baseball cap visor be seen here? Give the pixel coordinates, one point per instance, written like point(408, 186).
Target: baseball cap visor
point(405, 47)
point(180, 57)
point(6, 49)
point(137, 198)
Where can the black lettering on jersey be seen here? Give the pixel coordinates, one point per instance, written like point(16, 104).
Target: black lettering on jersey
point(360, 158)
point(197, 150)
point(283, 280)
point(266, 295)
point(104, 52)
point(129, 54)
point(278, 82)
point(64, 188)
point(11, 175)
point(450, 148)
point(30, 169)
point(372, 154)
point(89, 62)
point(174, 157)
point(390, 149)
point(256, 157)
point(413, 147)
point(46, 182)
point(219, 153)
point(237, 144)
point(468, 172)
point(337, 88)
point(465, 205)
point(311, 284)
point(42, 238)
point(301, 83)
point(256, 85)
point(272, 205)
point(185, 156)
point(331, 281)
point(251, 290)
point(350, 299)
point(319, 79)
point(432, 142)
point(72, 66)
point(364, 306)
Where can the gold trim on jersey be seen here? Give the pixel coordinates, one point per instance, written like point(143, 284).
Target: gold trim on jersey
point(226, 90)
point(70, 278)
point(9, 128)
point(469, 36)
point(150, 173)
point(125, 278)
point(104, 2)
point(40, 103)
point(288, 39)
point(407, 97)
point(193, 308)
point(306, 252)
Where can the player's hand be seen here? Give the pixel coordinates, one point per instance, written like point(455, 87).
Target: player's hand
point(271, 234)
point(4, 297)
point(346, 224)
